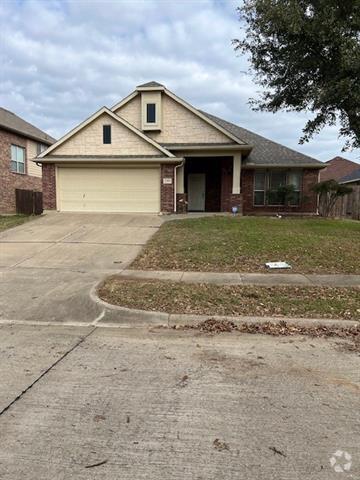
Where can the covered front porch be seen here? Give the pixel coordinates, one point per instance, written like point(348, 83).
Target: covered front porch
point(209, 183)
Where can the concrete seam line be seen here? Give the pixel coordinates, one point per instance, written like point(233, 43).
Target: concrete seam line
point(99, 317)
point(31, 256)
point(22, 393)
point(308, 277)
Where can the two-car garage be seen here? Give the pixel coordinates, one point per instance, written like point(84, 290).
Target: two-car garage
point(108, 189)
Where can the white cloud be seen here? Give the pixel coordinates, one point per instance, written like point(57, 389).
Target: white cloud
point(62, 60)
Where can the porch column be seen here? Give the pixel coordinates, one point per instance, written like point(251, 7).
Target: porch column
point(180, 179)
point(236, 173)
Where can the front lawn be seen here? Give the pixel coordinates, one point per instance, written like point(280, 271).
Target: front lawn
point(210, 299)
point(9, 221)
point(244, 244)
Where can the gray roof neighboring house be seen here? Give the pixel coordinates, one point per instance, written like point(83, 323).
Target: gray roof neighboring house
point(266, 152)
point(352, 177)
point(13, 123)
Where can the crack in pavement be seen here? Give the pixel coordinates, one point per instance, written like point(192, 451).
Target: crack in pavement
point(53, 365)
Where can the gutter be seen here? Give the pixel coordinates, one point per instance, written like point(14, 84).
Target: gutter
point(209, 147)
point(252, 166)
point(102, 161)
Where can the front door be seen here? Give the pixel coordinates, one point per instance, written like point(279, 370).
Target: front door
point(196, 192)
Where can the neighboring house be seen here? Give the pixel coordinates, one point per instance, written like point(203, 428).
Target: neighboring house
point(154, 152)
point(348, 205)
point(336, 168)
point(20, 142)
point(352, 179)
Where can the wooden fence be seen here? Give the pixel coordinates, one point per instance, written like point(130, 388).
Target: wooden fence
point(29, 202)
point(347, 206)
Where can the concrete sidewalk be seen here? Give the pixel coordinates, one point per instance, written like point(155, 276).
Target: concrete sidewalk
point(264, 279)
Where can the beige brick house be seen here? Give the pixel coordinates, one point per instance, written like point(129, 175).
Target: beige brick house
point(20, 143)
point(154, 152)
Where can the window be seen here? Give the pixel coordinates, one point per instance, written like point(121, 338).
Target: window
point(150, 113)
point(294, 178)
point(259, 188)
point(276, 181)
point(40, 147)
point(17, 164)
point(270, 187)
point(106, 133)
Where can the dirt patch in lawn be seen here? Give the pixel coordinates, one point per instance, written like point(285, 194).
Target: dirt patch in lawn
point(209, 299)
point(245, 244)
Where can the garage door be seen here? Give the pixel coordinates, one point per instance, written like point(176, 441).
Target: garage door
point(109, 189)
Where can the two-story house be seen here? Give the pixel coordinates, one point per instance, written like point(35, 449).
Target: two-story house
point(20, 143)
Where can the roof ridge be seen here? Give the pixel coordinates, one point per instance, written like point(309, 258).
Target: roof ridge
point(152, 83)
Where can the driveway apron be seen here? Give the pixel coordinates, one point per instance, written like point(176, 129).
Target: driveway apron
point(49, 265)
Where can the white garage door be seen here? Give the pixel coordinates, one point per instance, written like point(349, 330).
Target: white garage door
point(108, 189)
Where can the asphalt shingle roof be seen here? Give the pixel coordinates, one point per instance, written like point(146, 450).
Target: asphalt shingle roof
point(150, 84)
point(265, 152)
point(10, 121)
point(337, 168)
point(352, 177)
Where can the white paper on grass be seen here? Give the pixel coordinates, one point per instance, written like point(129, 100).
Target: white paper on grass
point(277, 265)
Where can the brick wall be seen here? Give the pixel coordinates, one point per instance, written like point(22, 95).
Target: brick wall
point(308, 202)
point(181, 203)
point(167, 190)
point(228, 199)
point(49, 186)
point(10, 181)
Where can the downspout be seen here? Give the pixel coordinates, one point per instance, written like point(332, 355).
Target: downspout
point(176, 167)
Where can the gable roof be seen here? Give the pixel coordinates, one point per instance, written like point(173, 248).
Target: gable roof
point(13, 123)
point(338, 167)
point(198, 113)
point(352, 177)
point(265, 152)
point(115, 117)
point(150, 84)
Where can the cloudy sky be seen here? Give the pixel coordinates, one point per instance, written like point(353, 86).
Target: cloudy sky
point(61, 60)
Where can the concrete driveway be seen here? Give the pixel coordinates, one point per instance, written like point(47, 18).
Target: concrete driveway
point(49, 265)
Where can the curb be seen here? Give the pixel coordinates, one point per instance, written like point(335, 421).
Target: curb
point(128, 317)
point(242, 278)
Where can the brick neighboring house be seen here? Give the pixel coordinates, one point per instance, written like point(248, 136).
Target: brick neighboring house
point(154, 152)
point(20, 142)
point(337, 168)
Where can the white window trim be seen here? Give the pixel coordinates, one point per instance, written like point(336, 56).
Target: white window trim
point(16, 161)
point(257, 190)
